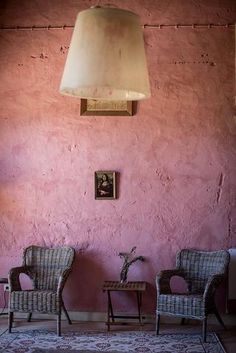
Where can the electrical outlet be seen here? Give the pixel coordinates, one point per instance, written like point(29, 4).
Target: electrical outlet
point(6, 288)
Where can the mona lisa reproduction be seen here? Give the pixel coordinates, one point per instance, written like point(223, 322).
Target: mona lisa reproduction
point(105, 185)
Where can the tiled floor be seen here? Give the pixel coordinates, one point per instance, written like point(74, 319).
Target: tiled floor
point(228, 338)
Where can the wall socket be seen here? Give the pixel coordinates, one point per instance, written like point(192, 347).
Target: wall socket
point(6, 287)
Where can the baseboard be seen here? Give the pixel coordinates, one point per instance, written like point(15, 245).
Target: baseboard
point(85, 316)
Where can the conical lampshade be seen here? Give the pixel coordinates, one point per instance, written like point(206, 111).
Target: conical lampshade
point(106, 58)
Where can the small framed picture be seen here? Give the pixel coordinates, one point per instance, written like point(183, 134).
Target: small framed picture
point(100, 107)
point(105, 185)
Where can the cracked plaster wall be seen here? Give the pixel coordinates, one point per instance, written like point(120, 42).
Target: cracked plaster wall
point(175, 157)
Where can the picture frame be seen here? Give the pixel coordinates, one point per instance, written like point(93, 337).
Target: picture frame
point(95, 107)
point(105, 185)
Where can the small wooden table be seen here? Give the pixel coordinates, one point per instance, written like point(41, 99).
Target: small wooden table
point(116, 286)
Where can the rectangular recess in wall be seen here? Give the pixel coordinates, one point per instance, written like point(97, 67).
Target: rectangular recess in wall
point(100, 107)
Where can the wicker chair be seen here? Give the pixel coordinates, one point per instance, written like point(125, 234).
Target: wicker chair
point(48, 270)
point(203, 272)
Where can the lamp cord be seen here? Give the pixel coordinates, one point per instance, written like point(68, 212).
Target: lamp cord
point(193, 26)
point(145, 26)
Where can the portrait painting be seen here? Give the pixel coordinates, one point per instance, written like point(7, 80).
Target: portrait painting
point(105, 185)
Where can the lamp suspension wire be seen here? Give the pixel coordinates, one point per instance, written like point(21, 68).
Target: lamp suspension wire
point(145, 26)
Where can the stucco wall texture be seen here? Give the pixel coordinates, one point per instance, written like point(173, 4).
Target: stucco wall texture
point(175, 157)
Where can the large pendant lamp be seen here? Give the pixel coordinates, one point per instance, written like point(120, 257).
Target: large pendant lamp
point(106, 58)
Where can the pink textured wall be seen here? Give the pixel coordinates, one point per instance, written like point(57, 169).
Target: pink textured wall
point(176, 156)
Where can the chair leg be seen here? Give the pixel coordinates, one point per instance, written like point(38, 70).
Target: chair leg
point(157, 323)
point(29, 317)
point(59, 324)
point(219, 318)
point(204, 329)
point(10, 321)
point(66, 313)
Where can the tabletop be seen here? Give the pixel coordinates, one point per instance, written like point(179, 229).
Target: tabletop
point(127, 286)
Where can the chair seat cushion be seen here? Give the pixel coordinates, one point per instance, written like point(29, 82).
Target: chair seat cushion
point(184, 305)
point(43, 301)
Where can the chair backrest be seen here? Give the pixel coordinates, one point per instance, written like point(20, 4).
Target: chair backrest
point(47, 264)
point(198, 266)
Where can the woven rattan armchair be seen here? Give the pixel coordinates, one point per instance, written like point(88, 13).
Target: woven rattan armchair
point(203, 271)
point(48, 270)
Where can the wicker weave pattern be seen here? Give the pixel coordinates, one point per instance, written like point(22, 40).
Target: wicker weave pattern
point(35, 301)
point(203, 272)
point(198, 266)
point(186, 305)
point(46, 265)
point(49, 270)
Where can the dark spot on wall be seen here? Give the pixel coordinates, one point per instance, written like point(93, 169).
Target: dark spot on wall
point(64, 49)
point(43, 56)
point(40, 56)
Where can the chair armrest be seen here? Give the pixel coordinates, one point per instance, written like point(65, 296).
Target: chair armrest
point(163, 280)
point(62, 279)
point(14, 277)
point(212, 283)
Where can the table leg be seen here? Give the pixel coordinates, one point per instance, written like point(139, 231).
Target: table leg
point(139, 302)
point(110, 313)
point(111, 308)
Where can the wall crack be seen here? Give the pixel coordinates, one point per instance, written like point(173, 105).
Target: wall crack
point(220, 187)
